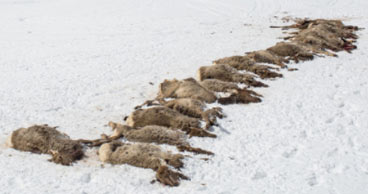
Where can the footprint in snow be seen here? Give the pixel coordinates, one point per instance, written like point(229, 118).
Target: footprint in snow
point(312, 180)
point(330, 120)
point(356, 92)
point(85, 178)
point(341, 105)
point(259, 175)
point(303, 135)
point(340, 130)
point(290, 153)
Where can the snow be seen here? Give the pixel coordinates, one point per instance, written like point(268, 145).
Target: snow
point(79, 64)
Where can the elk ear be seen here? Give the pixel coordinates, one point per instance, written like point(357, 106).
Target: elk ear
point(200, 73)
point(112, 125)
point(9, 142)
point(190, 79)
point(105, 151)
point(168, 87)
point(130, 121)
point(127, 127)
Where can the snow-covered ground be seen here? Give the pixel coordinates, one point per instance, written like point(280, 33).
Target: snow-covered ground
point(78, 64)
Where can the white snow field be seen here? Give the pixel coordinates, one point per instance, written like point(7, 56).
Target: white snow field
point(78, 64)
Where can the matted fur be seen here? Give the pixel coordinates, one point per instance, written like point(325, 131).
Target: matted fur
point(336, 27)
point(149, 134)
point(292, 50)
point(243, 96)
point(189, 107)
point(138, 154)
point(47, 140)
point(168, 177)
point(318, 35)
point(248, 64)
point(227, 73)
point(163, 116)
point(332, 24)
point(238, 62)
point(264, 56)
point(193, 108)
point(145, 156)
point(187, 88)
point(237, 94)
point(154, 134)
point(216, 85)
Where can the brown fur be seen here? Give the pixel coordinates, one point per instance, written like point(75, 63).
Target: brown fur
point(334, 26)
point(47, 140)
point(238, 95)
point(238, 62)
point(155, 134)
point(144, 156)
point(187, 88)
point(305, 23)
point(264, 56)
point(163, 116)
point(247, 64)
point(227, 73)
point(139, 154)
point(187, 106)
point(168, 177)
point(320, 38)
point(216, 85)
point(241, 97)
point(149, 134)
point(194, 150)
point(338, 28)
point(294, 51)
point(192, 108)
point(318, 35)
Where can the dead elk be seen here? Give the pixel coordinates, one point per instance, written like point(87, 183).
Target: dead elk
point(264, 56)
point(197, 109)
point(190, 107)
point(163, 116)
point(227, 73)
point(216, 85)
point(240, 97)
point(237, 94)
point(154, 134)
point(332, 24)
point(291, 50)
point(247, 64)
point(187, 88)
point(144, 156)
point(43, 139)
point(319, 37)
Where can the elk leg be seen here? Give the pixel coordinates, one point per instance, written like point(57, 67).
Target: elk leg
point(194, 150)
point(198, 132)
point(168, 177)
point(148, 103)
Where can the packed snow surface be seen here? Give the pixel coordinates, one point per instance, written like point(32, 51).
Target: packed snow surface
point(78, 64)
